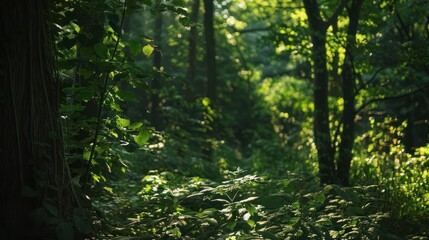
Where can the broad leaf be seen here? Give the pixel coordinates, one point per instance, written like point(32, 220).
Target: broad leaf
point(142, 137)
point(147, 50)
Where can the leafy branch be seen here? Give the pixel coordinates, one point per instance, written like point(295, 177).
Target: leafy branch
point(102, 98)
point(364, 105)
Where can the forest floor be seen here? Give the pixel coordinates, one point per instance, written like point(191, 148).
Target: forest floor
point(166, 205)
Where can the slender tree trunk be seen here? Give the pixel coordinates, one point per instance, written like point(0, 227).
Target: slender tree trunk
point(211, 71)
point(156, 83)
point(192, 55)
point(210, 49)
point(322, 133)
point(348, 87)
point(33, 166)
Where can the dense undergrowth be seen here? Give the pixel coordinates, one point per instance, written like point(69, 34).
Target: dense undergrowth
point(168, 162)
point(171, 192)
point(167, 204)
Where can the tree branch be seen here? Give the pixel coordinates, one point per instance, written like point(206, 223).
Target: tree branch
point(404, 28)
point(100, 105)
point(365, 84)
point(364, 105)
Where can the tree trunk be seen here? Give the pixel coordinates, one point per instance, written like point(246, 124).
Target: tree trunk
point(322, 133)
point(210, 49)
point(348, 88)
point(192, 55)
point(33, 167)
point(156, 83)
point(211, 71)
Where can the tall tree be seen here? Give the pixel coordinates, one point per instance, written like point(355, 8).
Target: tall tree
point(157, 63)
point(322, 133)
point(33, 169)
point(210, 49)
point(192, 54)
point(211, 69)
point(348, 86)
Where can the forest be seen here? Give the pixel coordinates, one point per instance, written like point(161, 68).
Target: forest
point(214, 119)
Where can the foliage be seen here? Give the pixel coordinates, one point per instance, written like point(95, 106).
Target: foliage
point(178, 180)
point(402, 176)
point(165, 205)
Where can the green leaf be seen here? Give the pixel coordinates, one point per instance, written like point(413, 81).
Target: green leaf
point(176, 232)
point(426, 196)
point(180, 3)
point(76, 28)
point(122, 122)
point(65, 231)
point(185, 21)
point(324, 221)
point(115, 106)
point(327, 189)
point(86, 155)
point(135, 126)
point(205, 102)
point(147, 50)
point(248, 199)
point(231, 225)
point(320, 198)
point(100, 49)
point(251, 223)
point(86, 73)
point(127, 96)
point(181, 11)
point(251, 209)
point(142, 137)
point(212, 221)
point(295, 205)
point(134, 47)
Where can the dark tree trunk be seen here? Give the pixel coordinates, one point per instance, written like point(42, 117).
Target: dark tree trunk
point(156, 83)
point(192, 55)
point(322, 133)
point(211, 70)
point(348, 87)
point(32, 151)
point(210, 49)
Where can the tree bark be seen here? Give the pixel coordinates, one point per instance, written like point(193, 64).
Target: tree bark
point(348, 88)
point(156, 83)
point(192, 55)
point(33, 167)
point(322, 133)
point(210, 49)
